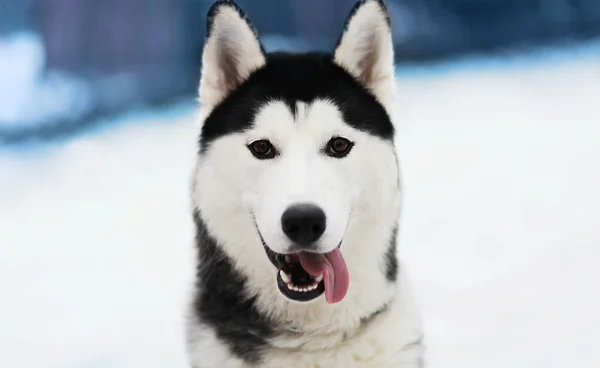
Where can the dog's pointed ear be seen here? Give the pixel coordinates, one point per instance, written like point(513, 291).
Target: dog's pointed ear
point(366, 51)
point(231, 52)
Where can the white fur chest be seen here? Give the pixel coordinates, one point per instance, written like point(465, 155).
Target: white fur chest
point(391, 339)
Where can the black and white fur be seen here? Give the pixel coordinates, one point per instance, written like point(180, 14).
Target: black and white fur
point(239, 318)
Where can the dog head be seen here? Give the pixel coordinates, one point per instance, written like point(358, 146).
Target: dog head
point(296, 151)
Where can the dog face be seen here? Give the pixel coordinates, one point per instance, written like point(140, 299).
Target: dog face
point(296, 151)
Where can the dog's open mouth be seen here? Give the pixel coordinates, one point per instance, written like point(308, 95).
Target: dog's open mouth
point(304, 276)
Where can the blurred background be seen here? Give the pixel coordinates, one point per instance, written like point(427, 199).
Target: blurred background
point(499, 141)
point(66, 63)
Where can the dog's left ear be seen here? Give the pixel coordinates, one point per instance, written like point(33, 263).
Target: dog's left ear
point(232, 51)
point(366, 51)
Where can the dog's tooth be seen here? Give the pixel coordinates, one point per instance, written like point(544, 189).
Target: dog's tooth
point(295, 288)
point(319, 278)
point(285, 277)
point(290, 286)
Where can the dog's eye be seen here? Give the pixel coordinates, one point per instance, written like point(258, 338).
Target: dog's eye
point(262, 149)
point(338, 147)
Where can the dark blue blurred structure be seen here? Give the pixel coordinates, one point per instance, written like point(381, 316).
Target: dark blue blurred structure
point(123, 53)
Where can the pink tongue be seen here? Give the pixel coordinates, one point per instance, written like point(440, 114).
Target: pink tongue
point(333, 268)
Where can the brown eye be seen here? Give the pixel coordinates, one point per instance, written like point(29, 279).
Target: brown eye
point(339, 147)
point(262, 149)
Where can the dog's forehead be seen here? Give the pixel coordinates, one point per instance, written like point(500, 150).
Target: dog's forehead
point(290, 87)
point(291, 116)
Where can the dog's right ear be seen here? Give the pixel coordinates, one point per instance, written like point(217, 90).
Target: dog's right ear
point(231, 52)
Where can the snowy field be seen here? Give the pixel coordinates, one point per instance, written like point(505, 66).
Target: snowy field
point(500, 230)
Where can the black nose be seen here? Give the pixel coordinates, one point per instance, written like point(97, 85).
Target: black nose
point(303, 223)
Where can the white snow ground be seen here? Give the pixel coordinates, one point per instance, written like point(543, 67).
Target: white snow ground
point(500, 229)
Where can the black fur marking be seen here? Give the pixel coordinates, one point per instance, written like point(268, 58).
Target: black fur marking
point(297, 77)
point(221, 303)
point(365, 320)
point(391, 258)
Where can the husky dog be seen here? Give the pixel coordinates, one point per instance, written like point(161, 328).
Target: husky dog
point(296, 200)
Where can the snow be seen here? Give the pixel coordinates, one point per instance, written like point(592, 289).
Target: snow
point(500, 228)
point(499, 233)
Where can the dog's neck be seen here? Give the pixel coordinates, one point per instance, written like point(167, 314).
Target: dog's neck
point(300, 339)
